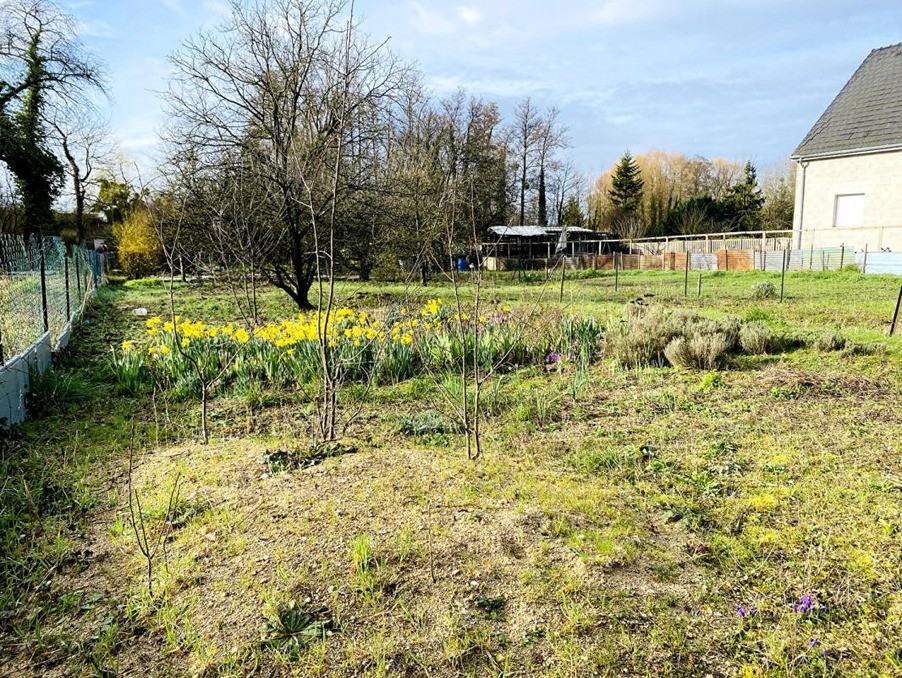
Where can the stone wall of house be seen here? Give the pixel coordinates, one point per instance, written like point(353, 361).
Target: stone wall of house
point(878, 176)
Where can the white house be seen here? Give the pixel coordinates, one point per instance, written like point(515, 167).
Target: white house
point(849, 175)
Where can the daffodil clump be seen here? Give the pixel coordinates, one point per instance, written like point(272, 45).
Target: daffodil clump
point(391, 346)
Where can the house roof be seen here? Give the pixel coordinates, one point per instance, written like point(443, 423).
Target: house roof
point(867, 113)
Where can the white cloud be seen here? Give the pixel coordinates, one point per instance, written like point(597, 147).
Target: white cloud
point(216, 8)
point(438, 22)
point(469, 15)
point(619, 12)
point(512, 86)
point(431, 22)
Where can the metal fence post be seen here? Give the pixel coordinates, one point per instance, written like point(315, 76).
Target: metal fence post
point(78, 278)
point(68, 300)
point(864, 264)
point(686, 278)
point(783, 275)
point(892, 327)
point(842, 255)
point(44, 291)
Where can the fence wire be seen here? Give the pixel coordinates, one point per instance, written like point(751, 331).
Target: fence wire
point(44, 286)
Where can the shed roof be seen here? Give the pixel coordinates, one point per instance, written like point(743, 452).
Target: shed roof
point(866, 115)
point(521, 231)
point(570, 229)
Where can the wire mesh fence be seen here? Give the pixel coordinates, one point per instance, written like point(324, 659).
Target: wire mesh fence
point(44, 286)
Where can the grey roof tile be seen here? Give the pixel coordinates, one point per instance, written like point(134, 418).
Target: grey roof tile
point(866, 114)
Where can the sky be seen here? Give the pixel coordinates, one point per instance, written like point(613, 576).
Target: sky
point(742, 79)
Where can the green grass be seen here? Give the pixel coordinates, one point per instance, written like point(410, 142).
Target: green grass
point(614, 525)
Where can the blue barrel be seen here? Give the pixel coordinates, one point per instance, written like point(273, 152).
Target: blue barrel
point(461, 264)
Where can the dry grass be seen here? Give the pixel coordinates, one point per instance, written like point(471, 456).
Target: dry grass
point(617, 520)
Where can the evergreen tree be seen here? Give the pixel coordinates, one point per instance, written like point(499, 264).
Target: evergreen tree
point(573, 213)
point(744, 201)
point(626, 185)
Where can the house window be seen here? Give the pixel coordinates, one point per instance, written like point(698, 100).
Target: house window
point(849, 210)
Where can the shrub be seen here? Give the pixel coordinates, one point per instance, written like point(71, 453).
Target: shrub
point(764, 290)
point(138, 248)
point(641, 341)
point(648, 336)
point(853, 348)
point(833, 341)
point(701, 351)
point(756, 338)
point(730, 328)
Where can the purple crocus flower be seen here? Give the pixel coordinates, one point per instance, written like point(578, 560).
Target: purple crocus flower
point(553, 358)
point(807, 604)
point(814, 642)
point(744, 612)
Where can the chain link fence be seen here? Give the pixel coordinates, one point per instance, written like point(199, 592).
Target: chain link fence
point(44, 287)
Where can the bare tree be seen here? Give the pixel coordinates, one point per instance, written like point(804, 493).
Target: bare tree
point(84, 141)
point(525, 136)
point(551, 136)
point(268, 86)
point(564, 182)
point(630, 226)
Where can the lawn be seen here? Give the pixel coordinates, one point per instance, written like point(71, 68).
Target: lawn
point(649, 521)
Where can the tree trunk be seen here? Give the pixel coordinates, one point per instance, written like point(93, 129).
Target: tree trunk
point(300, 293)
point(543, 208)
point(523, 191)
point(79, 207)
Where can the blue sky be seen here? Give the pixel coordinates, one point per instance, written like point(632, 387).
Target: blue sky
point(744, 79)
